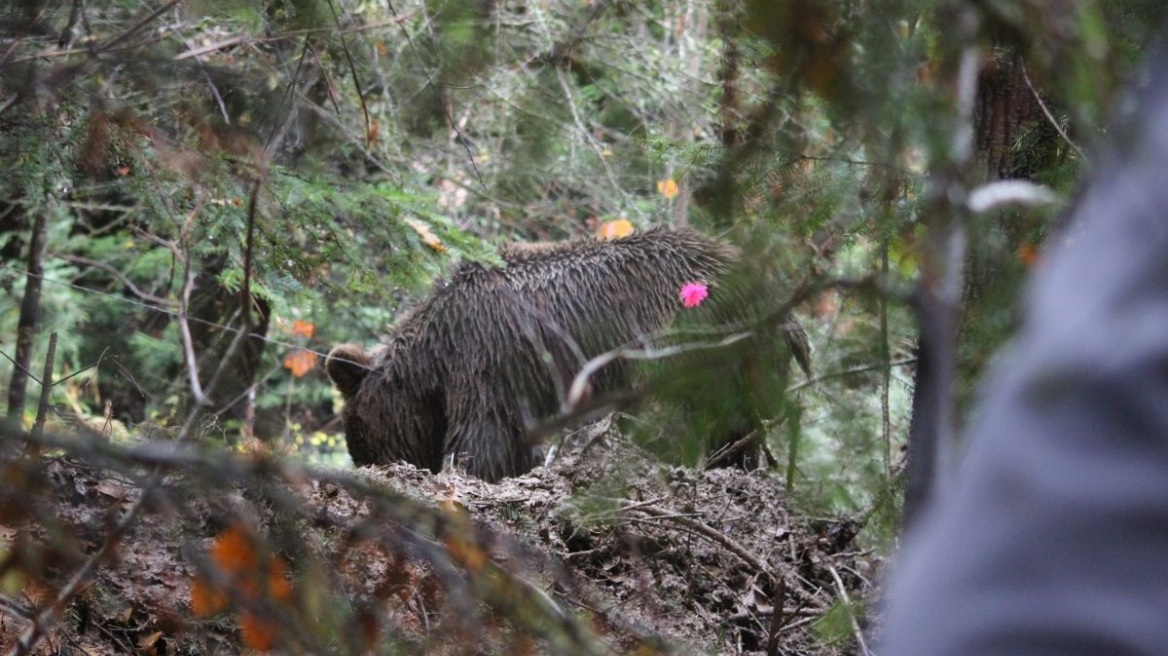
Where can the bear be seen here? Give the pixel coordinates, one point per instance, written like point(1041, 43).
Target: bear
point(493, 349)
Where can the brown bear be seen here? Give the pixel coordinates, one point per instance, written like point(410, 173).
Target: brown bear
point(493, 350)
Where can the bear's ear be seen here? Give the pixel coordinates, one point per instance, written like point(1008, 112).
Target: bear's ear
point(347, 365)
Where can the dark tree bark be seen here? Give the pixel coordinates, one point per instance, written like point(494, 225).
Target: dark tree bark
point(30, 310)
point(730, 109)
point(1012, 139)
point(216, 314)
point(1005, 109)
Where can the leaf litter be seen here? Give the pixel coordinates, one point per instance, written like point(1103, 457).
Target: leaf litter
point(607, 550)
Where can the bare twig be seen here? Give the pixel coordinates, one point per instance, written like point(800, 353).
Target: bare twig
point(61, 54)
point(580, 382)
point(728, 451)
point(1009, 192)
point(577, 406)
point(778, 617)
point(17, 364)
point(145, 20)
point(886, 372)
point(245, 297)
point(211, 85)
point(1049, 116)
point(284, 36)
point(146, 296)
point(353, 71)
point(445, 107)
point(586, 134)
point(185, 333)
point(48, 615)
point(713, 535)
point(850, 371)
point(843, 592)
point(218, 45)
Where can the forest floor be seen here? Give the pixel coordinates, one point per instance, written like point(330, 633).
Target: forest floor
point(605, 551)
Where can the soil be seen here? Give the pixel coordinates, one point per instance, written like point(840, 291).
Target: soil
point(606, 550)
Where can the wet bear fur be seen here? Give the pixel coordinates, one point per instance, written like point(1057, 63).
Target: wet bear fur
point(492, 350)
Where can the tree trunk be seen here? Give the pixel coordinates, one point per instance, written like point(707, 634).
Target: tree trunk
point(1011, 140)
point(30, 310)
point(1005, 109)
point(216, 315)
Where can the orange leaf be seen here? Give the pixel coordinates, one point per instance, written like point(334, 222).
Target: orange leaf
point(300, 362)
point(460, 542)
point(258, 633)
point(234, 550)
point(427, 235)
point(279, 587)
point(1028, 254)
point(303, 328)
point(466, 553)
point(614, 229)
point(206, 599)
point(374, 131)
point(234, 554)
point(667, 187)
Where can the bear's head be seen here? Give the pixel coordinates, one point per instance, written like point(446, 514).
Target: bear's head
point(392, 415)
point(348, 365)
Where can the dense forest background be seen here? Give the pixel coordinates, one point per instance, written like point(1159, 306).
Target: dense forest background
point(198, 199)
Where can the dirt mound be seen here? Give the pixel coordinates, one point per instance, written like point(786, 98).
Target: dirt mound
point(160, 549)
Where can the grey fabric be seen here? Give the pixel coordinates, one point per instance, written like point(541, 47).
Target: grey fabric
point(1054, 538)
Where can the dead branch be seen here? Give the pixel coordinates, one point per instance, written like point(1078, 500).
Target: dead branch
point(185, 332)
point(48, 614)
point(580, 381)
point(716, 536)
point(851, 371)
point(728, 451)
point(1049, 116)
point(143, 22)
point(284, 36)
point(778, 617)
point(146, 296)
point(843, 593)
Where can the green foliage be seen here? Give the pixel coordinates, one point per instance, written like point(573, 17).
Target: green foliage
point(367, 145)
point(836, 626)
point(317, 165)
